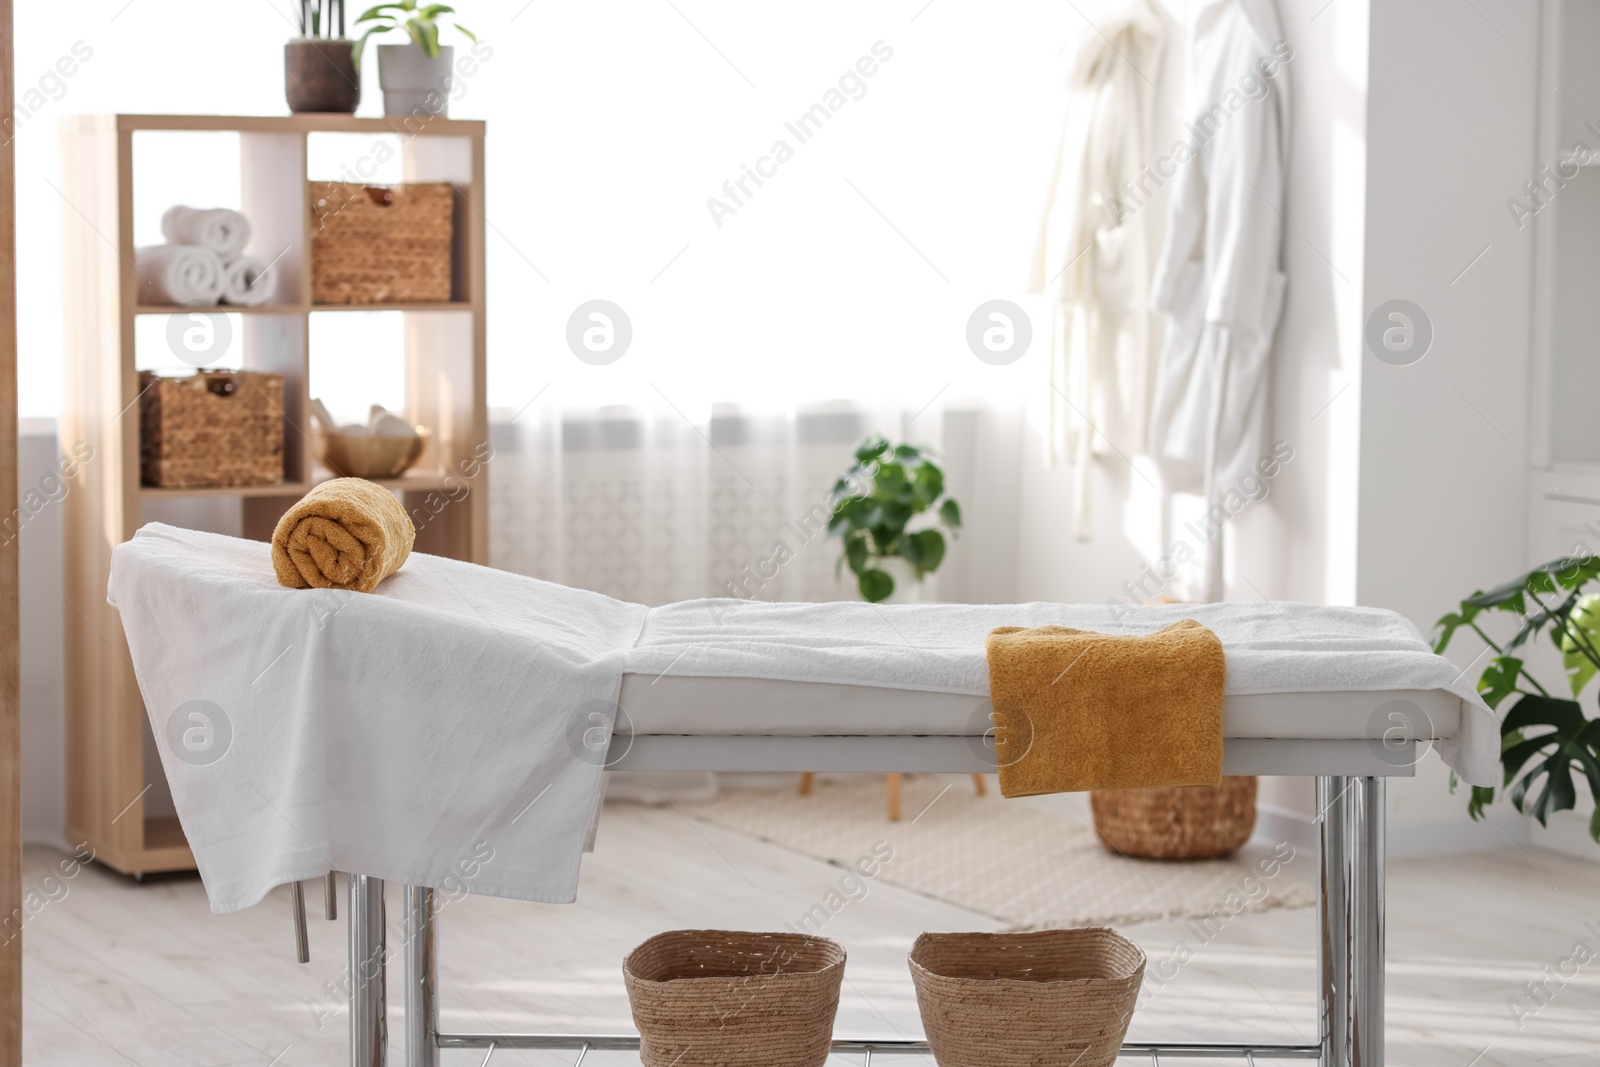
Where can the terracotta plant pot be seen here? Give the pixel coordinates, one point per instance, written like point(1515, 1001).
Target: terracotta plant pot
point(320, 75)
point(415, 83)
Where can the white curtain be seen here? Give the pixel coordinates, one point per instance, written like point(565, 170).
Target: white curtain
point(654, 504)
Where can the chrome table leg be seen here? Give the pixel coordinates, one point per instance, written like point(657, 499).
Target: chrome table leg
point(1350, 913)
point(368, 1017)
point(1333, 916)
point(297, 905)
point(422, 979)
point(1366, 924)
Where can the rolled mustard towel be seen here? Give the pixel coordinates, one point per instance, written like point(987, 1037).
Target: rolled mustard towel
point(347, 533)
point(1075, 709)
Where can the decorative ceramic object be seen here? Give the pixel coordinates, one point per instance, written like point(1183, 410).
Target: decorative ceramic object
point(319, 74)
point(413, 82)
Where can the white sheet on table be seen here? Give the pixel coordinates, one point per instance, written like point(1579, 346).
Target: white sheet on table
point(1271, 647)
point(404, 734)
point(401, 733)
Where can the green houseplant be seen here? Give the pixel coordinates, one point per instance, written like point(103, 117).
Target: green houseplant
point(878, 500)
point(319, 66)
point(416, 78)
point(1549, 743)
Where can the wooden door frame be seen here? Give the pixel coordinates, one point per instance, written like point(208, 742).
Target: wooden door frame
point(10, 622)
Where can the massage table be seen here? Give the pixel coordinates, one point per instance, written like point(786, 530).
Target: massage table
point(1349, 696)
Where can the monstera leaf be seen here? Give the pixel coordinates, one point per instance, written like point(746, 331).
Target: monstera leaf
point(1583, 629)
point(1562, 741)
point(1561, 578)
point(1548, 746)
point(1499, 679)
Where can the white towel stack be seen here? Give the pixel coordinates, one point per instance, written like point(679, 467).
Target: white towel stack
point(247, 281)
point(224, 232)
point(187, 275)
point(203, 262)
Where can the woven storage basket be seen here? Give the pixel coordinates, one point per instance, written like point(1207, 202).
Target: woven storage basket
point(375, 244)
point(720, 998)
point(1199, 822)
point(1054, 998)
point(211, 428)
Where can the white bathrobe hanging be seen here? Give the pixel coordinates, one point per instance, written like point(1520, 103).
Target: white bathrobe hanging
point(1091, 260)
point(1218, 278)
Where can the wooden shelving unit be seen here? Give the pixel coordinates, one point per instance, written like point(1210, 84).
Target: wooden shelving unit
point(109, 772)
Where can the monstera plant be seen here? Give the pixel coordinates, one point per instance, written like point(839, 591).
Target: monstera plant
point(879, 502)
point(1549, 743)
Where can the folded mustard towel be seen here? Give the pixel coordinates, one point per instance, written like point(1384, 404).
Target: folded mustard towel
point(347, 533)
point(1077, 710)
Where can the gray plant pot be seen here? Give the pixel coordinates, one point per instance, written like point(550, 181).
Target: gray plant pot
point(413, 82)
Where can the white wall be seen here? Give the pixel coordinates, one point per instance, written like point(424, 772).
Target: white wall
point(1451, 134)
point(1444, 440)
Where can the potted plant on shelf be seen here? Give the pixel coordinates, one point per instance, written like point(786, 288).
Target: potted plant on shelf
point(888, 490)
point(319, 66)
point(1545, 738)
point(415, 77)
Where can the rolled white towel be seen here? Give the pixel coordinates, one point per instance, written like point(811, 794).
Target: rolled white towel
point(247, 282)
point(178, 274)
point(223, 231)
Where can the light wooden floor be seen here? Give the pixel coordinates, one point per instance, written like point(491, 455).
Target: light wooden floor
point(121, 974)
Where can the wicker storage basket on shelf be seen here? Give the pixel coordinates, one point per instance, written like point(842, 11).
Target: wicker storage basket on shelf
point(720, 998)
point(374, 244)
point(1199, 822)
point(1054, 998)
point(211, 429)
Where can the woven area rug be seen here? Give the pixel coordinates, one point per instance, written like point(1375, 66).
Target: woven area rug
point(1005, 859)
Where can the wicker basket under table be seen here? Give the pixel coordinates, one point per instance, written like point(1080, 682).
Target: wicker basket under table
point(1048, 998)
point(374, 244)
point(726, 998)
point(211, 429)
point(1199, 822)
